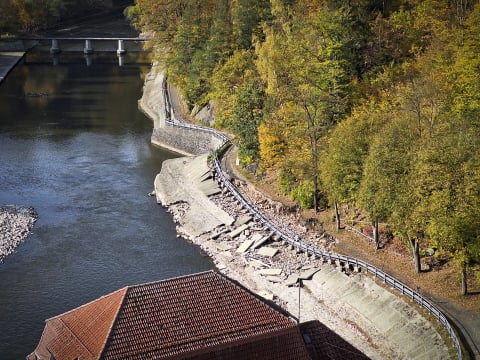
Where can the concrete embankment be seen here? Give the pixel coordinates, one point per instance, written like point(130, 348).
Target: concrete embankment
point(376, 322)
point(8, 60)
point(192, 187)
point(155, 104)
point(11, 52)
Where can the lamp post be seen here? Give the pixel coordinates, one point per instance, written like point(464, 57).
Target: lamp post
point(299, 284)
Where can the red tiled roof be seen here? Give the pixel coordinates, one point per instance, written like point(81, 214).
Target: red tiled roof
point(191, 317)
point(82, 332)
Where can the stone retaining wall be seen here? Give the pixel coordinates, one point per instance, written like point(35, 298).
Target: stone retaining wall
point(186, 141)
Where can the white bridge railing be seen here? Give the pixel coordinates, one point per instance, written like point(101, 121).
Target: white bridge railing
point(88, 48)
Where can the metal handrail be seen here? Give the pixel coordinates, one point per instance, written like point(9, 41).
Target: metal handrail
point(214, 132)
point(299, 244)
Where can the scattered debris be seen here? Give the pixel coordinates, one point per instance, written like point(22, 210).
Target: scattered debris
point(267, 251)
point(245, 246)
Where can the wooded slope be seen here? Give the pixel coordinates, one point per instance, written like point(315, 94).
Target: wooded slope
point(374, 104)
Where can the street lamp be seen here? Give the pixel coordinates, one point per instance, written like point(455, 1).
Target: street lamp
point(299, 284)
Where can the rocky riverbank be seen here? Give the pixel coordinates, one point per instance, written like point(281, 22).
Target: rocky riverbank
point(376, 322)
point(16, 223)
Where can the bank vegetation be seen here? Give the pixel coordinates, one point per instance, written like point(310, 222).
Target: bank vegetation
point(29, 16)
point(367, 108)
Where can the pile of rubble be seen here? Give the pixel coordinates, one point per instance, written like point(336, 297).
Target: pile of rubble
point(15, 225)
point(249, 244)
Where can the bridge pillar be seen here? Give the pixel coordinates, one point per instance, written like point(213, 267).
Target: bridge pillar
point(55, 49)
point(88, 60)
point(55, 60)
point(88, 47)
point(120, 49)
point(121, 60)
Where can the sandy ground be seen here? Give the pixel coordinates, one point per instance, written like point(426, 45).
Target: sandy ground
point(15, 225)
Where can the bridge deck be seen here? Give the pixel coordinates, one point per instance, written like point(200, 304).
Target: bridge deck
point(50, 38)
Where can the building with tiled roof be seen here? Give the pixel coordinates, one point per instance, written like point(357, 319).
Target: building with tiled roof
point(197, 317)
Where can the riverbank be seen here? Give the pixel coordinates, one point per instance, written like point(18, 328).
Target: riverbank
point(8, 60)
point(345, 301)
point(16, 223)
point(376, 322)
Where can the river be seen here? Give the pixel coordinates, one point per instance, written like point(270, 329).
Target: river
point(74, 145)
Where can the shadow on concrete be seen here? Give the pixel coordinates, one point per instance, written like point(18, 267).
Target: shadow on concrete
point(323, 343)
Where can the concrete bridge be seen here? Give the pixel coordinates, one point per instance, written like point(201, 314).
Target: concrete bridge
point(87, 44)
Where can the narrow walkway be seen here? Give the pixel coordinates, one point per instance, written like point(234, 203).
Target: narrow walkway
point(466, 322)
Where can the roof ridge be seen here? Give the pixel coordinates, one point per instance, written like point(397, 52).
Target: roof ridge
point(173, 278)
point(258, 297)
point(113, 323)
point(75, 336)
point(263, 334)
point(85, 305)
point(256, 337)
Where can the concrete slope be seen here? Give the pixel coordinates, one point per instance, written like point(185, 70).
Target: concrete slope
point(8, 60)
point(186, 180)
point(381, 313)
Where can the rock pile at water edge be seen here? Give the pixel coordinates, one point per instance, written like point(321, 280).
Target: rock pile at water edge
point(16, 223)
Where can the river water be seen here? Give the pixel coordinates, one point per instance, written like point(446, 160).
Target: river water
point(75, 147)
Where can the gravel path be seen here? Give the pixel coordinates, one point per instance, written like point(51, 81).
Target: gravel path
point(16, 223)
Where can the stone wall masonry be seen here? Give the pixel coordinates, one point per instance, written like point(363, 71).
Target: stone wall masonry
point(187, 141)
point(182, 138)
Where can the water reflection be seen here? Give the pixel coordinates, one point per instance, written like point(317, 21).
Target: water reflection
point(80, 154)
point(78, 57)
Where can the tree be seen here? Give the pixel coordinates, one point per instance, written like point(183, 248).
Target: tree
point(246, 117)
point(451, 186)
point(9, 21)
point(452, 194)
point(247, 17)
point(348, 146)
point(386, 170)
point(238, 70)
point(187, 61)
point(220, 43)
point(304, 68)
point(160, 18)
point(33, 15)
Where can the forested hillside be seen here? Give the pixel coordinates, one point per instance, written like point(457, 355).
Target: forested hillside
point(371, 104)
point(20, 16)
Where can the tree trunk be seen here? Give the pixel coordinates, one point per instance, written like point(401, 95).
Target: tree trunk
point(315, 190)
point(376, 238)
point(416, 254)
point(337, 215)
point(312, 136)
point(464, 279)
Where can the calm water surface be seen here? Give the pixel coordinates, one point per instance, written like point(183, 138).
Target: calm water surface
point(80, 154)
